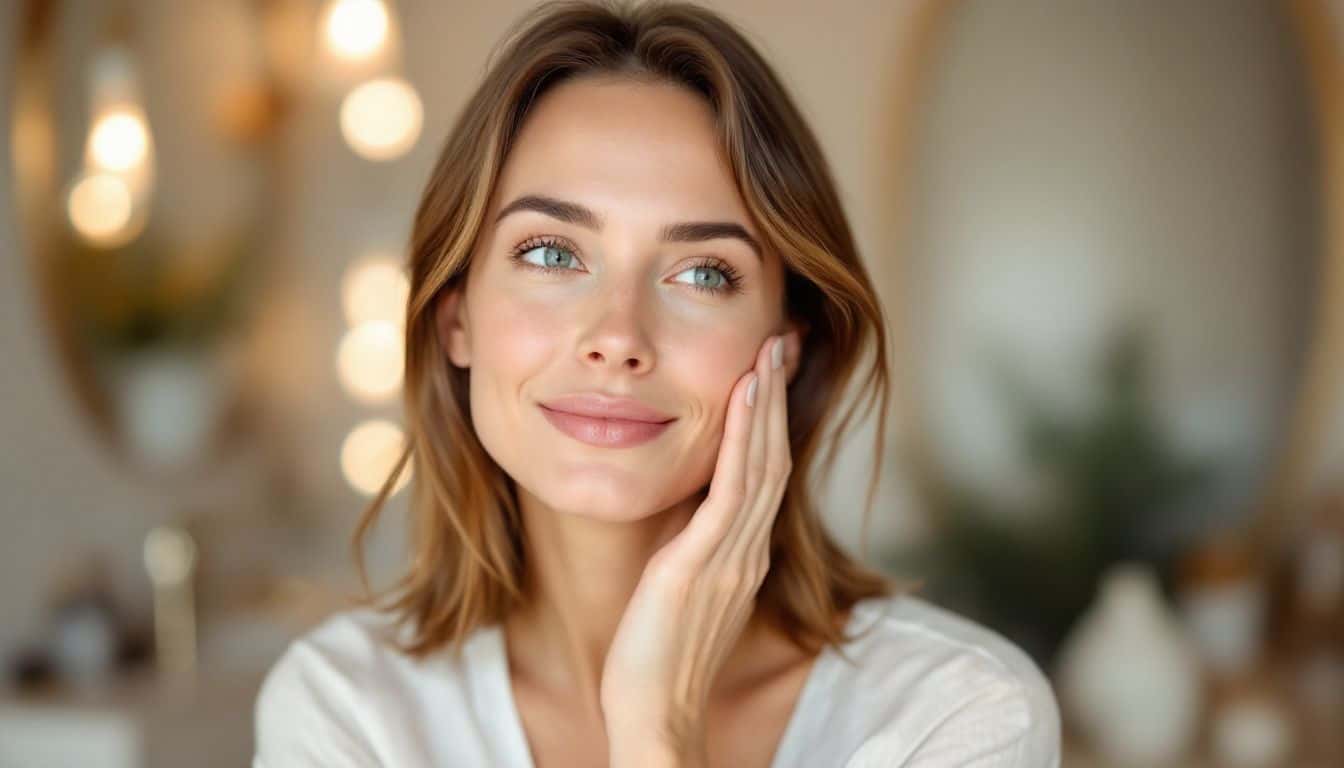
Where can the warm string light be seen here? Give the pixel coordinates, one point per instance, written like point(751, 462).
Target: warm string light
point(370, 359)
point(369, 454)
point(375, 288)
point(381, 119)
point(119, 140)
point(369, 362)
point(108, 201)
point(356, 29)
point(100, 207)
point(381, 116)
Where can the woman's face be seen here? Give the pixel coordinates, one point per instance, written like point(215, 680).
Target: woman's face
point(632, 306)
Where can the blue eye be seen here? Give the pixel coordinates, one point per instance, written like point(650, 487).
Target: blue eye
point(710, 275)
point(553, 255)
point(713, 278)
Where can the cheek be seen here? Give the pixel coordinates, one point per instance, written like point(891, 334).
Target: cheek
point(711, 362)
point(707, 364)
point(511, 341)
point(513, 338)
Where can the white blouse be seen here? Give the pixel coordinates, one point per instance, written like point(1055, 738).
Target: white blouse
point(931, 689)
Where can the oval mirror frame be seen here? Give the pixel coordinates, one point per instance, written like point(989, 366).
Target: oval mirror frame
point(1317, 402)
point(246, 118)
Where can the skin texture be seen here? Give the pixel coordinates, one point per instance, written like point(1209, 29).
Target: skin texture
point(665, 640)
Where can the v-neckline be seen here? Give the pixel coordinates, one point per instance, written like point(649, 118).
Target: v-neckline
point(500, 679)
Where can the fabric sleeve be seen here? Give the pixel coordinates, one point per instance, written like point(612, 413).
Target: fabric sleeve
point(1009, 723)
point(304, 720)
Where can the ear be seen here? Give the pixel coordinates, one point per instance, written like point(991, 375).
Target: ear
point(450, 317)
point(795, 333)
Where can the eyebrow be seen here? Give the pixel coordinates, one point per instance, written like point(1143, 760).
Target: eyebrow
point(681, 232)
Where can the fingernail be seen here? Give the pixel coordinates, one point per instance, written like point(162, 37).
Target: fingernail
point(777, 353)
point(751, 390)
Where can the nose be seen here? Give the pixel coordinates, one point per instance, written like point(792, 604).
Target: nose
point(617, 341)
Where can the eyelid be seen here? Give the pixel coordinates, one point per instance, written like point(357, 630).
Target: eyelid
point(548, 241)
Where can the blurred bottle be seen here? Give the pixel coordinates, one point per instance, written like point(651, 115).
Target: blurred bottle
point(1311, 640)
point(1223, 594)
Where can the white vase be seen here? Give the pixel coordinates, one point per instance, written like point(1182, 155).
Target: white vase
point(168, 401)
point(1129, 676)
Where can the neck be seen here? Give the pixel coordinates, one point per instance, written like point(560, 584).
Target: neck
point(580, 575)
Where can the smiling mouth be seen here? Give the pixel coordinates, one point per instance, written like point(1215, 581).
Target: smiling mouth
point(602, 432)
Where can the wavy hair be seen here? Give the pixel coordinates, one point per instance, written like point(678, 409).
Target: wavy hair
point(465, 530)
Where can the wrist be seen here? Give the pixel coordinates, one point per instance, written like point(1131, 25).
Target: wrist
point(656, 748)
point(642, 755)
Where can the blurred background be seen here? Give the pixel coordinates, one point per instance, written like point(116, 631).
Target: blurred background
point(1109, 236)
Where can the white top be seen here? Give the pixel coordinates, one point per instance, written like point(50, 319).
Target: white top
point(931, 690)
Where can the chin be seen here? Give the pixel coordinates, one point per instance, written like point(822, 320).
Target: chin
point(603, 499)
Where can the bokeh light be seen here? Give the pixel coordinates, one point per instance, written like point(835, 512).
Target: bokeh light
point(356, 29)
point(381, 119)
point(119, 140)
point(370, 360)
point(100, 207)
point(369, 454)
point(374, 289)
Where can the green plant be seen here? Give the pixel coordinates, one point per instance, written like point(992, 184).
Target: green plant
point(1115, 482)
point(155, 292)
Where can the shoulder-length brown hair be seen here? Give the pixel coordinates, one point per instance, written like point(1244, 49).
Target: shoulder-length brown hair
point(465, 533)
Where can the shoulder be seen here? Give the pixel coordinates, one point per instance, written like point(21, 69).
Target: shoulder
point(307, 709)
point(346, 648)
point(947, 691)
point(335, 689)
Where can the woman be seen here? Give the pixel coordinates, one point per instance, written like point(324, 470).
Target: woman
point(635, 298)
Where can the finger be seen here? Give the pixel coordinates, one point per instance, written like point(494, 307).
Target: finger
point(774, 437)
point(780, 460)
point(757, 446)
point(732, 545)
point(727, 487)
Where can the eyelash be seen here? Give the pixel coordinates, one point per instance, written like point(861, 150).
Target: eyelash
point(732, 278)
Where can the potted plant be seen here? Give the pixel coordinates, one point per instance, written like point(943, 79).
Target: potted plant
point(156, 317)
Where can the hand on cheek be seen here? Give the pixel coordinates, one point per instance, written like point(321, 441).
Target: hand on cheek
point(698, 591)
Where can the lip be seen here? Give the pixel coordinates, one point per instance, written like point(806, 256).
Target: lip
point(604, 421)
point(599, 406)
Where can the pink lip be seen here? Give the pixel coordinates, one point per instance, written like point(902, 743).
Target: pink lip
point(600, 406)
point(607, 433)
point(605, 421)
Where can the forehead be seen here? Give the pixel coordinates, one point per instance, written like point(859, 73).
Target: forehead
point(625, 148)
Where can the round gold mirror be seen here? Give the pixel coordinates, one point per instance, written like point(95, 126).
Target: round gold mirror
point(146, 270)
point(1120, 291)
